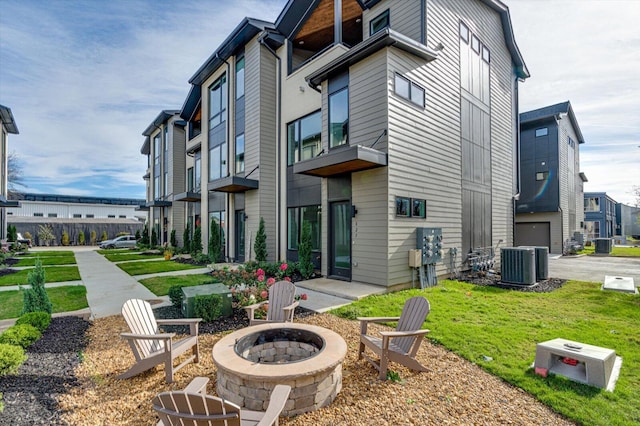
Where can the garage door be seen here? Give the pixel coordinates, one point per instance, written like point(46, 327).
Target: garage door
point(533, 234)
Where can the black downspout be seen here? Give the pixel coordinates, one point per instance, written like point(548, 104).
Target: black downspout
point(516, 196)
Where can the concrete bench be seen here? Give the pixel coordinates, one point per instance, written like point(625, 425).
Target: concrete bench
point(595, 366)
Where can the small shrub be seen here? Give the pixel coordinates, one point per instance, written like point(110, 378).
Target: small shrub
point(173, 240)
point(138, 236)
point(39, 320)
point(305, 265)
point(186, 238)
point(11, 357)
point(45, 235)
point(175, 295)
point(200, 258)
point(36, 298)
point(196, 243)
point(28, 236)
point(21, 335)
point(93, 238)
point(81, 238)
point(208, 307)
point(144, 238)
point(12, 233)
point(65, 238)
point(154, 237)
point(260, 245)
point(104, 236)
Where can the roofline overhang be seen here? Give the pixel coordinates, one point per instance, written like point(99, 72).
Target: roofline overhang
point(194, 148)
point(162, 118)
point(245, 31)
point(146, 146)
point(191, 103)
point(8, 203)
point(232, 184)
point(158, 203)
point(583, 177)
point(553, 115)
point(361, 51)
point(7, 120)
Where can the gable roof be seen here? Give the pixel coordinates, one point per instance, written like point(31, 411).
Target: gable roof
point(7, 120)
point(161, 118)
point(552, 111)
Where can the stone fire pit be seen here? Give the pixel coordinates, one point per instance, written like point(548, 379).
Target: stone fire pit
point(251, 361)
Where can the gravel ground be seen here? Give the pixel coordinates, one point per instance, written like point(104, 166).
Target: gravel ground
point(453, 392)
point(30, 396)
point(485, 279)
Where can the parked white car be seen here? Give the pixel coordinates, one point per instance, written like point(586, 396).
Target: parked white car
point(124, 241)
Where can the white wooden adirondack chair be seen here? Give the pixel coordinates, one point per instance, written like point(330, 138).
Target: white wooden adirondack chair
point(192, 406)
point(150, 347)
point(282, 304)
point(401, 345)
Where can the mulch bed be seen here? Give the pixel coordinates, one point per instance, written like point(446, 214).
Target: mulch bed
point(54, 388)
point(486, 279)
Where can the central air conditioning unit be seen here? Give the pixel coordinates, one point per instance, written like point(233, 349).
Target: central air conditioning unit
point(603, 245)
point(542, 261)
point(518, 265)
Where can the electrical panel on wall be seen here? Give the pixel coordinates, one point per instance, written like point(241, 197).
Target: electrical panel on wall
point(429, 241)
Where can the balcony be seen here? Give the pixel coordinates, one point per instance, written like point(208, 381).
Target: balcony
point(340, 161)
point(190, 196)
point(158, 203)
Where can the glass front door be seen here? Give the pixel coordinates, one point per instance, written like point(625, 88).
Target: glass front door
point(340, 239)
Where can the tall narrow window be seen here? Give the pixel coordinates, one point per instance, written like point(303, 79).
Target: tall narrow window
point(156, 165)
point(197, 170)
point(240, 77)
point(240, 153)
point(339, 118)
point(218, 102)
point(190, 179)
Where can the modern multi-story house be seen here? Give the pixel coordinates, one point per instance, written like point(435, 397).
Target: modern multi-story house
point(7, 125)
point(600, 215)
point(549, 208)
point(164, 146)
point(628, 222)
point(365, 119)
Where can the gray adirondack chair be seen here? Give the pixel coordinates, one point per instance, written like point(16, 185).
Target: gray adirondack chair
point(401, 345)
point(192, 406)
point(150, 346)
point(282, 304)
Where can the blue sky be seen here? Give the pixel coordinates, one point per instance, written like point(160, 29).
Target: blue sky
point(85, 78)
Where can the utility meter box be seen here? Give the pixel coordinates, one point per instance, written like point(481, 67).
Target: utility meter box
point(429, 242)
point(189, 295)
point(415, 258)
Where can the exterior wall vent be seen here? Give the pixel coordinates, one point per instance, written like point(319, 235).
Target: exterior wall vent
point(518, 265)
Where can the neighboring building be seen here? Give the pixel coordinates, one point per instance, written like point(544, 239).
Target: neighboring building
point(549, 210)
point(164, 147)
point(7, 125)
point(628, 221)
point(75, 214)
point(600, 215)
point(365, 119)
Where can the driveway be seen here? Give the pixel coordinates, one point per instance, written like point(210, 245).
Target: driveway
point(594, 268)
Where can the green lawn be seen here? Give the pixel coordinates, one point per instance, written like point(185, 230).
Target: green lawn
point(160, 285)
point(63, 299)
point(141, 268)
point(50, 253)
point(54, 260)
point(475, 321)
point(120, 257)
point(116, 251)
point(54, 274)
point(616, 251)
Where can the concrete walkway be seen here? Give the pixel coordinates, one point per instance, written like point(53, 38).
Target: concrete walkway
point(108, 286)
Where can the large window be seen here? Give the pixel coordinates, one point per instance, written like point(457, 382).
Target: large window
point(304, 138)
point(165, 160)
point(409, 90)
point(156, 166)
point(240, 77)
point(218, 102)
point(296, 218)
point(592, 204)
point(240, 153)
point(218, 161)
point(339, 118)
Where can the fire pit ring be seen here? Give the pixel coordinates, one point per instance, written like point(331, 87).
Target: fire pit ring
point(251, 361)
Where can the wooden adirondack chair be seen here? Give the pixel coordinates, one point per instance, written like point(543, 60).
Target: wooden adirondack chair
point(151, 347)
point(401, 345)
point(192, 406)
point(281, 302)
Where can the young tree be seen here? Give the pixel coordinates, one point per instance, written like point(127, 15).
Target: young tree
point(81, 238)
point(215, 242)
point(260, 245)
point(304, 251)
point(144, 238)
point(93, 238)
point(174, 240)
point(12, 233)
point(186, 237)
point(154, 236)
point(104, 236)
point(65, 238)
point(36, 298)
point(45, 235)
point(196, 244)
